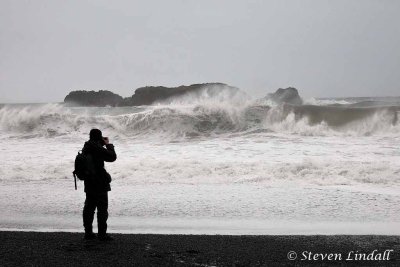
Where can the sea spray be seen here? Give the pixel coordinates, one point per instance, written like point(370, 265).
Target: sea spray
point(204, 118)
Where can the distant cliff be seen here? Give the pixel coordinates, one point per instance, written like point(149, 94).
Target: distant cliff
point(144, 95)
point(92, 98)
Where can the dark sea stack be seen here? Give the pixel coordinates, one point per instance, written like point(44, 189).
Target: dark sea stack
point(289, 95)
point(151, 94)
point(147, 95)
point(100, 98)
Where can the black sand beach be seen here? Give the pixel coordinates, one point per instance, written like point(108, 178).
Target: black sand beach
point(60, 249)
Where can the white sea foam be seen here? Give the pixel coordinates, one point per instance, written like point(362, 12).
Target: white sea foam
point(323, 102)
point(209, 161)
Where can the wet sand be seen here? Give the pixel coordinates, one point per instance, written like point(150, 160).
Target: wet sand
point(60, 249)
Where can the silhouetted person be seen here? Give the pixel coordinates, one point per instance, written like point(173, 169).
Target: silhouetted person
point(98, 185)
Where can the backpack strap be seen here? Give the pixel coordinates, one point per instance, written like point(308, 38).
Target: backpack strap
point(74, 174)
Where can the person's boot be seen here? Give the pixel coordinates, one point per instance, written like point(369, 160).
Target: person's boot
point(105, 237)
point(89, 236)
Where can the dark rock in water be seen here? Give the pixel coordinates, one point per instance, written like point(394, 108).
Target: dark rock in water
point(146, 95)
point(92, 98)
point(151, 94)
point(289, 95)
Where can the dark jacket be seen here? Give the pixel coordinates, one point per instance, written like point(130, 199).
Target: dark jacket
point(99, 182)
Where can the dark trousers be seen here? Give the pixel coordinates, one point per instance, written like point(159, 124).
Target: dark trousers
point(93, 201)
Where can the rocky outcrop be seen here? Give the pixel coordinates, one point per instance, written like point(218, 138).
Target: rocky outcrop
point(289, 95)
point(146, 95)
point(100, 98)
point(151, 94)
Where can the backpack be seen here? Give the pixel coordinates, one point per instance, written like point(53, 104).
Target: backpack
point(84, 168)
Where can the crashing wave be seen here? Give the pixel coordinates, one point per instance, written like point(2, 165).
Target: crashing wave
point(204, 118)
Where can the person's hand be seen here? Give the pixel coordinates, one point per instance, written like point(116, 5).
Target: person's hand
point(106, 141)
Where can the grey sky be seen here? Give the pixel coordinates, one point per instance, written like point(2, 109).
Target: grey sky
point(323, 48)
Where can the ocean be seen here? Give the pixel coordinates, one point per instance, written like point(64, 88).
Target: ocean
point(210, 166)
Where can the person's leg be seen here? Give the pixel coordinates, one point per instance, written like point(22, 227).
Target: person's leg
point(102, 213)
point(88, 213)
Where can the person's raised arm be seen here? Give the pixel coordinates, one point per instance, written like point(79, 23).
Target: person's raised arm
point(108, 154)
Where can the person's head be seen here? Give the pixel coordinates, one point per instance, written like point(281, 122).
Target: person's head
point(95, 135)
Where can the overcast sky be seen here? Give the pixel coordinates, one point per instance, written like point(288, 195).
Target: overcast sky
point(323, 48)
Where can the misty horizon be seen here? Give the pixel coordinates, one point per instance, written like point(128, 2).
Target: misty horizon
point(254, 97)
